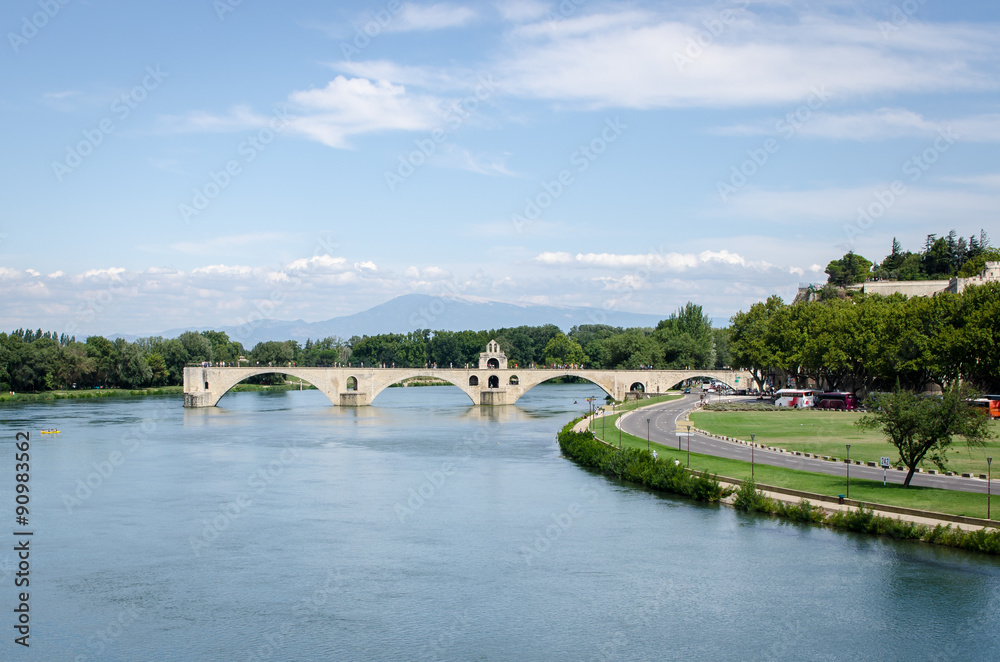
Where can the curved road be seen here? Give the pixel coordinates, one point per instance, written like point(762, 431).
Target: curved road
point(662, 430)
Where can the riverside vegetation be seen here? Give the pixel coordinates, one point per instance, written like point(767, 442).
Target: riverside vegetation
point(638, 466)
point(749, 499)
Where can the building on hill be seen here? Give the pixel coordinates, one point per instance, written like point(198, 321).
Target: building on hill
point(911, 288)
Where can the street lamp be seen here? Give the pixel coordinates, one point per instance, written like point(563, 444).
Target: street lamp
point(647, 435)
point(848, 495)
point(989, 478)
point(752, 437)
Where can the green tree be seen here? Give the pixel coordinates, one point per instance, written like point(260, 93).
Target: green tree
point(158, 368)
point(562, 350)
point(748, 333)
point(131, 369)
point(197, 347)
point(922, 427)
point(848, 270)
point(630, 350)
point(686, 339)
point(975, 265)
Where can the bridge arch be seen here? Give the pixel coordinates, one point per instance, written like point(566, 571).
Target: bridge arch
point(533, 378)
point(225, 381)
point(468, 386)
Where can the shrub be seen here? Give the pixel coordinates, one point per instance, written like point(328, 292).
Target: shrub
point(638, 466)
point(750, 500)
point(803, 511)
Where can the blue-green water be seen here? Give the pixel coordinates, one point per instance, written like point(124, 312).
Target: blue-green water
point(278, 527)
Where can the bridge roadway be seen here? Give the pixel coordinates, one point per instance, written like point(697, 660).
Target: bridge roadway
point(662, 430)
point(356, 387)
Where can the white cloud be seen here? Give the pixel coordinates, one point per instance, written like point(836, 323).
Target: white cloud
point(639, 60)
point(350, 106)
point(413, 17)
point(518, 11)
point(879, 124)
point(216, 245)
point(239, 118)
point(990, 180)
point(657, 261)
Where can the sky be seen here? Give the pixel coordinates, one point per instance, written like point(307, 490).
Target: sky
point(213, 162)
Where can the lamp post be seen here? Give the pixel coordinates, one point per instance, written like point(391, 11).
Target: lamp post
point(848, 495)
point(989, 479)
point(752, 437)
point(689, 449)
point(647, 435)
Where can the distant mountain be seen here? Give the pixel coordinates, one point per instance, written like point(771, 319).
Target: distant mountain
point(420, 311)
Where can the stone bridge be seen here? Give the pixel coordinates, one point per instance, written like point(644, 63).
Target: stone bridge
point(490, 384)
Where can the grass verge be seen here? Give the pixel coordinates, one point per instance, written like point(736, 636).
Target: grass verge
point(921, 498)
point(827, 432)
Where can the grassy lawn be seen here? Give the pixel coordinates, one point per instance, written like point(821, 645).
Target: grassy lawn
point(827, 432)
point(942, 501)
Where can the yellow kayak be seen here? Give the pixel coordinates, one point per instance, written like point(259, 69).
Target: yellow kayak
point(50, 431)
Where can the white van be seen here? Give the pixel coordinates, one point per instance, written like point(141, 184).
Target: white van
point(798, 398)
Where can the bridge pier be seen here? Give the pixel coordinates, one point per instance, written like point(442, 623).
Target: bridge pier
point(355, 399)
point(492, 397)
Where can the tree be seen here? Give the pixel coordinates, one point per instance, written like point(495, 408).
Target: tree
point(686, 339)
point(922, 427)
point(975, 265)
point(848, 270)
point(747, 338)
point(561, 350)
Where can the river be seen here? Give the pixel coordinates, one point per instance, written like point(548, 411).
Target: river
point(277, 527)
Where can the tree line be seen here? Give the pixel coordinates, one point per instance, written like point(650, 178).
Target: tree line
point(941, 258)
point(34, 361)
point(870, 342)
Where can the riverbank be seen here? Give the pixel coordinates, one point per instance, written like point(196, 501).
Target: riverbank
point(925, 499)
point(141, 392)
point(968, 533)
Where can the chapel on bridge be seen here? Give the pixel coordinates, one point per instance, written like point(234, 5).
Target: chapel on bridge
point(493, 358)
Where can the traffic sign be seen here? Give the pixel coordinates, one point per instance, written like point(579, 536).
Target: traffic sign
point(884, 463)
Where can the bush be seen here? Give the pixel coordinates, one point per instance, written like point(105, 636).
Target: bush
point(803, 511)
point(638, 466)
point(750, 500)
